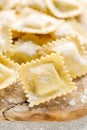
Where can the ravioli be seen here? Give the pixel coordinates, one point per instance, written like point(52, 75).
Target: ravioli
point(45, 79)
point(82, 19)
point(69, 28)
point(25, 49)
point(74, 54)
point(29, 23)
point(7, 4)
point(64, 8)
point(8, 72)
point(7, 16)
point(38, 5)
point(5, 37)
point(35, 49)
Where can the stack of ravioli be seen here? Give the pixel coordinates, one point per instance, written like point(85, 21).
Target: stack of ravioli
point(43, 45)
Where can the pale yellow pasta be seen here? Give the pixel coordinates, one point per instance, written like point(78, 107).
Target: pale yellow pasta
point(69, 28)
point(8, 72)
point(27, 48)
point(35, 49)
point(5, 37)
point(8, 16)
point(64, 8)
point(74, 54)
point(38, 5)
point(7, 4)
point(45, 79)
point(28, 23)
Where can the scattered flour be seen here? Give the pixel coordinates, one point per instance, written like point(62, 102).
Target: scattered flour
point(72, 102)
point(10, 100)
point(84, 98)
point(85, 91)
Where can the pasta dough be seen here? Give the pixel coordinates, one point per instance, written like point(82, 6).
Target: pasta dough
point(74, 54)
point(31, 24)
point(69, 28)
point(5, 37)
point(64, 8)
point(45, 79)
point(8, 72)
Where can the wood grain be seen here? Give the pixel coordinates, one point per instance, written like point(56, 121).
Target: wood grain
point(59, 109)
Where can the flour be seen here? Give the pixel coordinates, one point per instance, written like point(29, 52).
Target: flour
point(72, 102)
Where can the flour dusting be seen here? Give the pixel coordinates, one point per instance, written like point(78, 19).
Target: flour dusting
point(72, 102)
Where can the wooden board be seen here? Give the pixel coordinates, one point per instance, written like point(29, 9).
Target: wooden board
point(13, 105)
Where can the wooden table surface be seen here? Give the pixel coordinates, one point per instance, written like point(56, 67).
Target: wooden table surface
point(80, 124)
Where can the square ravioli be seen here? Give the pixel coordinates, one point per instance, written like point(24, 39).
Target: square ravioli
point(29, 23)
point(68, 28)
point(64, 8)
point(5, 36)
point(8, 72)
point(25, 49)
point(45, 79)
point(38, 5)
point(74, 54)
point(7, 4)
point(7, 16)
